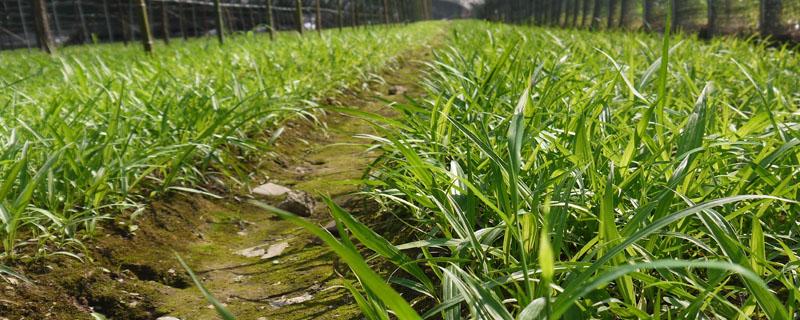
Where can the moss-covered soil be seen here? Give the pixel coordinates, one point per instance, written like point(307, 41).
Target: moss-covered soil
point(130, 270)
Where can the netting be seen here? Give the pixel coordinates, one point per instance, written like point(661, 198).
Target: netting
point(777, 18)
point(92, 21)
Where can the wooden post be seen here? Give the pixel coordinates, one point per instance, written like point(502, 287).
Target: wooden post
point(84, 30)
point(108, 21)
point(271, 20)
point(55, 17)
point(194, 22)
point(181, 22)
point(165, 22)
point(147, 37)
point(770, 13)
point(298, 11)
point(318, 18)
point(220, 23)
point(24, 24)
point(356, 12)
point(386, 12)
point(123, 22)
point(402, 12)
point(43, 35)
point(253, 22)
point(340, 16)
point(353, 14)
point(398, 14)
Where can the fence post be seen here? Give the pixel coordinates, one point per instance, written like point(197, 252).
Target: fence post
point(24, 24)
point(220, 23)
point(271, 20)
point(340, 16)
point(386, 12)
point(318, 18)
point(356, 13)
point(84, 30)
point(298, 11)
point(123, 22)
point(147, 37)
point(43, 35)
point(181, 22)
point(108, 21)
point(165, 22)
point(401, 12)
point(55, 17)
point(353, 13)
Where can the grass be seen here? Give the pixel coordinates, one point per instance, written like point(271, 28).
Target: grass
point(100, 130)
point(567, 174)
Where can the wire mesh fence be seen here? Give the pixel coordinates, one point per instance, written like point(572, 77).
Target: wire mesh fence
point(775, 18)
point(92, 21)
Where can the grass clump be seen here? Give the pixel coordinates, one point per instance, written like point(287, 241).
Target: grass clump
point(567, 174)
point(99, 130)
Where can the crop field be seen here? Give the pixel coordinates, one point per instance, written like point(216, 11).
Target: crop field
point(461, 170)
point(568, 174)
point(101, 130)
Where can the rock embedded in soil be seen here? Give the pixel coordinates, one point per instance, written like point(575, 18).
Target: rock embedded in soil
point(271, 190)
point(275, 250)
point(331, 227)
point(251, 252)
point(283, 301)
point(299, 203)
point(167, 318)
point(397, 89)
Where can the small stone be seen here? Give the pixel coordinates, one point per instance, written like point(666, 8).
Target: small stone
point(396, 89)
point(331, 227)
point(168, 318)
point(302, 170)
point(283, 301)
point(299, 203)
point(275, 250)
point(256, 251)
point(271, 190)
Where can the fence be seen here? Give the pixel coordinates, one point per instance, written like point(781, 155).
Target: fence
point(51, 23)
point(774, 18)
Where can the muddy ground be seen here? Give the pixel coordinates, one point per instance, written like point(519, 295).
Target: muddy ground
point(133, 273)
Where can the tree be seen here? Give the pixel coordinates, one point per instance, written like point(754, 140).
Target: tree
point(612, 7)
point(711, 26)
point(596, 14)
point(770, 17)
point(585, 13)
point(647, 14)
point(43, 35)
point(624, 13)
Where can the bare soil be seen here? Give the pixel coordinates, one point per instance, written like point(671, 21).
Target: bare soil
point(131, 271)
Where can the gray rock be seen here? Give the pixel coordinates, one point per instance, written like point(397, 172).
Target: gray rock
point(299, 203)
point(396, 89)
point(271, 190)
point(252, 251)
point(275, 250)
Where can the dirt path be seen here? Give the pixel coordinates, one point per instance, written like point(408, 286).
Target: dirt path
point(135, 275)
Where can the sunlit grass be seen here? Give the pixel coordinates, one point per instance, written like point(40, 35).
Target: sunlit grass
point(568, 174)
point(98, 130)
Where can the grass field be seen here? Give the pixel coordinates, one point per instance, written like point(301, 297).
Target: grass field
point(99, 130)
point(567, 174)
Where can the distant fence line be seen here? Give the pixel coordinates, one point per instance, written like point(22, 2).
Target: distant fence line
point(47, 24)
point(774, 18)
